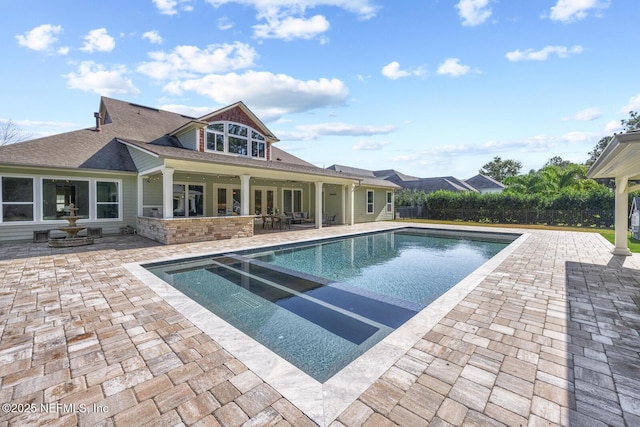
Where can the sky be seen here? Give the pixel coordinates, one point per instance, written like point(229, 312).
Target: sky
point(427, 87)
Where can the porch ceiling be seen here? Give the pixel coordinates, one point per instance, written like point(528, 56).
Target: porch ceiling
point(621, 158)
point(236, 170)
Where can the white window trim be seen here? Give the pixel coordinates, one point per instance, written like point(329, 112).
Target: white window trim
point(204, 196)
point(389, 203)
point(34, 203)
point(93, 198)
point(373, 202)
point(286, 208)
point(226, 134)
point(38, 207)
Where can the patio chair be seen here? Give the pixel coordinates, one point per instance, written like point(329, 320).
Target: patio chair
point(329, 220)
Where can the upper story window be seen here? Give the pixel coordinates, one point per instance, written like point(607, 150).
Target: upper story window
point(234, 138)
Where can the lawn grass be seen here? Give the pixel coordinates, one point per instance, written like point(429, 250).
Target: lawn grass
point(634, 245)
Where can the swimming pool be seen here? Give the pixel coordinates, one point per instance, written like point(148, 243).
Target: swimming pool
point(321, 305)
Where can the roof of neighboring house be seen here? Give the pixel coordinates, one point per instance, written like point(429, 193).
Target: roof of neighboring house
point(484, 182)
point(429, 185)
point(152, 130)
point(352, 171)
point(389, 174)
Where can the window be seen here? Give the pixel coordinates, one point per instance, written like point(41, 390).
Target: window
point(188, 200)
point(292, 200)
point(17, 199)
point(389, 201)
point(369, 201)
point(107, 199)
point(58, 194)
point(234, 138)
point(215, 137)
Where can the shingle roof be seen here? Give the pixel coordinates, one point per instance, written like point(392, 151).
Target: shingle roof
point(352, 171)
point(429, 185)
point(150, 129)
point(482, 181)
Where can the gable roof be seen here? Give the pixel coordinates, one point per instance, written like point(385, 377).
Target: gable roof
point(124, 125)
point(352, 171)
point(484, 182)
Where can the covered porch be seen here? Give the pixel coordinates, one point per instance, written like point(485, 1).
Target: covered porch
point(620, 161)
point(183, 201)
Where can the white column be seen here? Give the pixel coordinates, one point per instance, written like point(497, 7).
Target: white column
point(318, 204)
point(140, 195)
point(350, 203)
point(167, 192)
point(244, 194)
point(343, 203)
point(622, 218)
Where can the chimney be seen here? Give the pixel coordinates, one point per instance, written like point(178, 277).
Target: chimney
point(98, 117)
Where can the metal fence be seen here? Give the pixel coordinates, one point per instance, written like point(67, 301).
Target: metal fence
point(574, 218)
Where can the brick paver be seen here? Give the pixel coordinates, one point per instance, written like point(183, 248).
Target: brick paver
point(550, 337)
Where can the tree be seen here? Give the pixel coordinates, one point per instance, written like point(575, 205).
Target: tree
point(632, 123)
point(557, 161)
point(10, 132)
point(499, 169)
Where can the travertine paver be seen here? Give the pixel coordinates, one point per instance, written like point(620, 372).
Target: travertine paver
point(550, 337)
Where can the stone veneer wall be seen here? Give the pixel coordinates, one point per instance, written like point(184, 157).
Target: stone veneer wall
point(184, 230)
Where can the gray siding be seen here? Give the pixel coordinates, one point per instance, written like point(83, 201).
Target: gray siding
point(144, 161)
point(190, 140)
point(379, 205)
point(18, 230)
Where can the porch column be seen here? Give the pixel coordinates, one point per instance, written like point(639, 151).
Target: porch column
point(167, 192)
point(343, 203)
point(140, 195)
point(244, 194)
point(622, 219)
point(318, 204)
point(351, 188)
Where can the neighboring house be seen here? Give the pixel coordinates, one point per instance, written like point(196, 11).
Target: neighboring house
point(428, 185)
point(174, 178)
point(485, 184)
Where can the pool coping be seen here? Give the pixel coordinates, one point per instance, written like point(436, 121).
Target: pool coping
point(323, 402)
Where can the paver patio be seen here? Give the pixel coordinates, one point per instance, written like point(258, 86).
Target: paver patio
point(549, 337)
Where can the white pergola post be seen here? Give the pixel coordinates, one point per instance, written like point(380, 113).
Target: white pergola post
point(244, 194)
point(622, 218)
point(319, 204)
point(167, 192)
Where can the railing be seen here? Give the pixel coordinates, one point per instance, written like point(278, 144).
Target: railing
point(574, 218)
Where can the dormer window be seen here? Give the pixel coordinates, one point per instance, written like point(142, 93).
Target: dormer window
point(237, 139)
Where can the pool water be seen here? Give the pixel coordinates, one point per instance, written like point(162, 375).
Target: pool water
point(322, 304)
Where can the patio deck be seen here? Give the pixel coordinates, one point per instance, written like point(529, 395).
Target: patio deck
point(548, 337)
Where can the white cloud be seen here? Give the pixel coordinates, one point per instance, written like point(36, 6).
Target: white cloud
point(188, 110)
point(225, 23)
point(153, 37)
point(575, 10)
point(285, 19)
point(269, 95)
point(40, 38)
point(369, 145)
point(189, 61)
point(393, 71)
point(542, 54)
point(473, 12)
point(365, 9)
point(96, 78)
point(170, 7)
point(613, 126)
point(345, 129)
point(586, 115)
point(98, 40)
point(452, 67)
point(633, 105)
point(291, 28)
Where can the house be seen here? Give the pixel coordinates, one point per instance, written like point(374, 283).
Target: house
point(479, 183)
point(173, 178)
point(485, 184)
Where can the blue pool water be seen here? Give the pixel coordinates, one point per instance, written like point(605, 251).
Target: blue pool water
point(320, 305)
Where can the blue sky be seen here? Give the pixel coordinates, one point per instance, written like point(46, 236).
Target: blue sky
point(427, 87)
